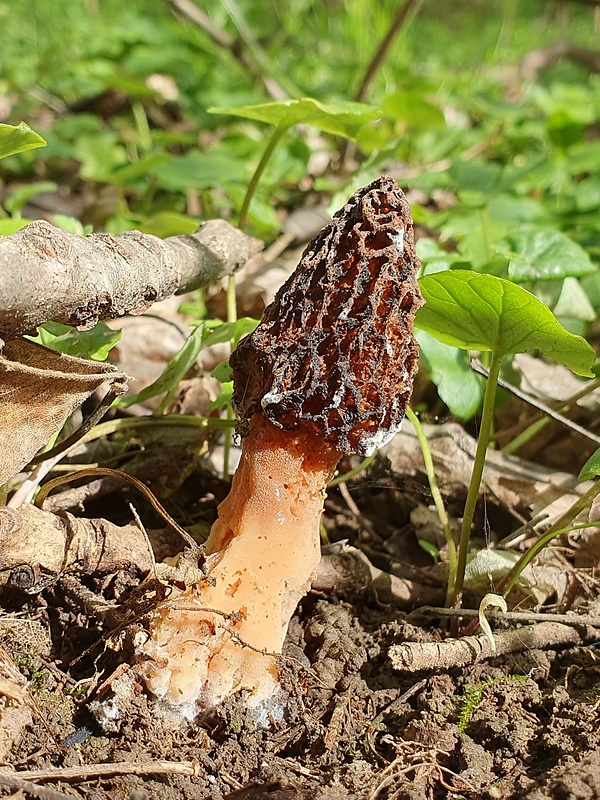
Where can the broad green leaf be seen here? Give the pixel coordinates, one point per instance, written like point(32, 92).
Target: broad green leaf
point(572, 302)
point(173, 373)
point(475, 176)
point(471, 310)
point(458, 386)
point(339, 118)
point(547, 255)
point(169, 223)
point(95, 343)
point(591, 468)
point(71, 225)
point(412, 108)
point(17, 139)
point(197, 171)
point(224, 396)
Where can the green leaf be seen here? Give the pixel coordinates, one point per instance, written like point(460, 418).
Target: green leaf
point(222, 372)
point(340, 118)
point(9, 226)
point(591, 468)
point(412, 108)
point(197, 171)
point(475, 311)
point(430, 549)
point(458, 386)
point(169, 223)
point(547, 255)
point(224, 396)
point(17, 139)
point(95, 343)
point(173, 373)
point(227, 331)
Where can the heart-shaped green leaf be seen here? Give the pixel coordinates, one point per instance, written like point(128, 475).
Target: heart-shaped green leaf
point(17, 139)
point(341, 118)
point(547, 255)
point(474, 311)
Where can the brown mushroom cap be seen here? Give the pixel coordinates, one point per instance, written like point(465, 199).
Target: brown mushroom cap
point(335, 350)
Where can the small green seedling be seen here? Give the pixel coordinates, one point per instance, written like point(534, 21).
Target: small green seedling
point(95, 343)
point(473, 697)
point(340, 119)
point(474, 311)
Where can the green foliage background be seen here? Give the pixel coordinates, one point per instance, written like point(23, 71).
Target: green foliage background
point(503, 170)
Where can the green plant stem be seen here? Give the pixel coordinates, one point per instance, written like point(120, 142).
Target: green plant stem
point(562, 525)
point(437, 499)
point(172, 420)
point(525, 436)
point(485, 430)
point(278, 134)
point(347, 476)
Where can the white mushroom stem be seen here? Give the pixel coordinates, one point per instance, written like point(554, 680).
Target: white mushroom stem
point(263, 551)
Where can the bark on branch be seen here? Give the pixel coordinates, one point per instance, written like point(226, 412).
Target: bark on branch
point(49, 274)
point(419, 656)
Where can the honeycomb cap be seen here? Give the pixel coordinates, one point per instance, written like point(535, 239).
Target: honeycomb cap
point(335, 351)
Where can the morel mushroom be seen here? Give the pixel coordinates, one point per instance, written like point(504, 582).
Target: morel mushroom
point(329, 371)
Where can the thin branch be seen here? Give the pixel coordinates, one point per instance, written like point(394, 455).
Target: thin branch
point(513, 616)
point(49, 274)
point(468, 650)
point(155, 767)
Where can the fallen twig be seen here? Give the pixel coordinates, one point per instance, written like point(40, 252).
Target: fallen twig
point(418, 656)
point(79, 280)
point(84, 773)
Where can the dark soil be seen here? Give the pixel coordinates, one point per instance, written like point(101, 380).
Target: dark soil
point(526, 726)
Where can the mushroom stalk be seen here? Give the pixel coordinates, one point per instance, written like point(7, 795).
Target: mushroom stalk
point(329, 371)
point(263, 552)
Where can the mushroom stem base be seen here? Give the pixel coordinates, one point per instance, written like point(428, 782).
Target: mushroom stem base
point(221, 635)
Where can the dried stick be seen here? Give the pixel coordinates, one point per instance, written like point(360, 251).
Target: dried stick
point(417, 656)
point(154, 767)
point(49, 274)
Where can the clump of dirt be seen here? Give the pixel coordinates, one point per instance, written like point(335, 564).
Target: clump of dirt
point(522, 726)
